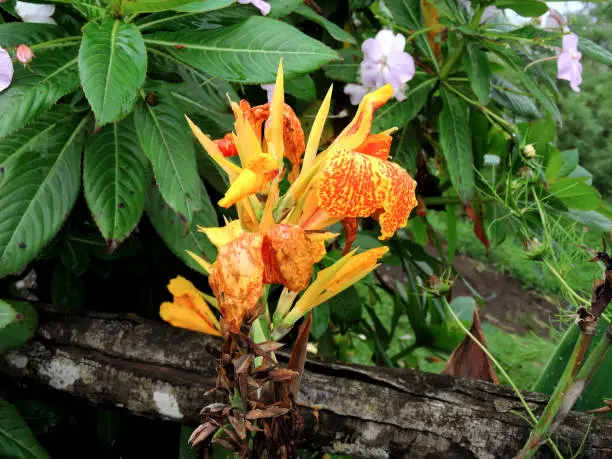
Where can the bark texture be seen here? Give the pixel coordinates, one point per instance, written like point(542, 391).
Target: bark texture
point(154, 370)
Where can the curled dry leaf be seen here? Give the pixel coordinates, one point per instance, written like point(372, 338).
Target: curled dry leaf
point(270, 412)
point(468, 359)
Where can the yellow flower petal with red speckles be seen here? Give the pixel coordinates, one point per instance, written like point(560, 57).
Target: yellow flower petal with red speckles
point(377, 145)
point(237, 278)
point(360, 127)
point(260, 170)
point(287, 254)
point(357, 185)
point(188, 309)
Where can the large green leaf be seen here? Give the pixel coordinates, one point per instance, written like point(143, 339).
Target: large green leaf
point(479, 73)
point(38, 195)
point(167, 141)
point(398, 114)
point(39, 135)
point(508, 96)
point(203, 6)
point(113, 66)
point(347, 69)
point(8, 314)
point(281, 8)
point(19, 331)
point(248, 52)
point(16, 33)
point(114, 179)
point(50, 76)
point(16, 438)
point(152, 6)
point(336, 32)
point(302, 87)
point(525, 8)
point(456, 143)
point(594, 51)
point(576, 194)
point(178, 236)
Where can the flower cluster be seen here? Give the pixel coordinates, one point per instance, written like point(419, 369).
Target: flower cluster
point(384, 62)
point(279, 239)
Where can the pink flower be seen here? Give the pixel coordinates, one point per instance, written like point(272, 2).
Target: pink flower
point(488, 13)
point(356, 92)
point(263, 6)
point(269, 88)
point(385, 61)
point(568, 66)
point(555, 21)
point(35, 12)
point(6, 70)
point(24, 54)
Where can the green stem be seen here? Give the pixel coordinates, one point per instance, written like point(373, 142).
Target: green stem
point(540, 432)
point(452, 60)
point(58, 43)
point(565, 284)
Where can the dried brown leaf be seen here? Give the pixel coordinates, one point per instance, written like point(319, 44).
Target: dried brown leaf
point(298, 355)
point(270, 412)
point(202, 432)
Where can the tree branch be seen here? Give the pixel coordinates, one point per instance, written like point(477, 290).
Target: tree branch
point(154, 370)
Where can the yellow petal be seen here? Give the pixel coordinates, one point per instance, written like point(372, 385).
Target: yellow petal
point(277, 108)
point(260, 170)
point(267, 219)
point(220, 236)
point(315, 133)
point(201, 261)
point(361, 263)
point(356, 132)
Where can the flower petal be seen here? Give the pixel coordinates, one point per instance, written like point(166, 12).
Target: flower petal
point(357, 185)
point(564, 66)
point(220, 236)
point(35, 12)
point(377, 145)
point(237, 278)
point(352, 272)
point(287, 255)
point(355, 92)
point(6, 70)
point(260, 170)
point(570, 42)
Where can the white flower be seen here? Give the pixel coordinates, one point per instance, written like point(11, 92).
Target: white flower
point(488, 13)
point(35, 12)
point(269, 88)
point(568, 66)
point(356, 92)
point(263, 6)
point(491, 160)
point(6, 70)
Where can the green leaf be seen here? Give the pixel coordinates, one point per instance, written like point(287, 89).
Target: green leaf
point(113, 66)
point(16, 438)
point(525, 8)
point(203, 6)
point(74, 255)
point(109, 427)
point(186, 450)
point(67, 289)
point(320, 320)
point(519, 104)
point(347, 68)
point(7, 314)
point(178, 236)
point(152, 6)
point(302, 88)
point(90, 9)
point(114, 179)
point(456, 143)
point(18, 332)
point(576, 194)
point(35, 89)
point(398, 114)
point(346, 307)
point(281, 8)
point(38, 195)
point(591, 218)
point(16, 33)
point(248, 52)
point(39, 135)
point(166, 139)
point(479, 73)
point(569, 162)
point(451, 232)
point(594, 51)
point(463, 307)
point(336, 32)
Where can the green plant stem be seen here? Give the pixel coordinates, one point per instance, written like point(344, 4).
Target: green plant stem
point(58, 43)
point(484, 349)
point(485, 110)
point(565, 284)
point(452, 60)
point(541, 431)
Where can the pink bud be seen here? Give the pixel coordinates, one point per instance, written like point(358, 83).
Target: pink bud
point(24, 54)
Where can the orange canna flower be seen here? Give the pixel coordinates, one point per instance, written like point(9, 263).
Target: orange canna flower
point(188, 308)
point(282, 255)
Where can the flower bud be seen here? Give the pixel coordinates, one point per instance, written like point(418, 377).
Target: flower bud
point(535, 250)
point(529, 151)
point(526, 173)
point(24, 54)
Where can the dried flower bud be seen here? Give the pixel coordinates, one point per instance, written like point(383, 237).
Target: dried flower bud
point(439, 285)
point(24, 54)
point(529, 151)
point(536, 251)
point(526, 173)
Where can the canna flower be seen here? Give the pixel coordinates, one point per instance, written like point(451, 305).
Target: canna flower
point(384, 62)
point(188, 309)
point(261, 5)
point(6, 70)
point(35, 12)
point(24, 54)
point(568, 65)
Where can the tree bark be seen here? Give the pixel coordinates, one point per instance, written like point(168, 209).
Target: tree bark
point(154, 370)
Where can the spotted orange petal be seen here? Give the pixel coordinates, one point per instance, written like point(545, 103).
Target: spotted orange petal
point(377, 145)
point(357, 185)
point(288, 258)
point(237, 278)
point(227, 146)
